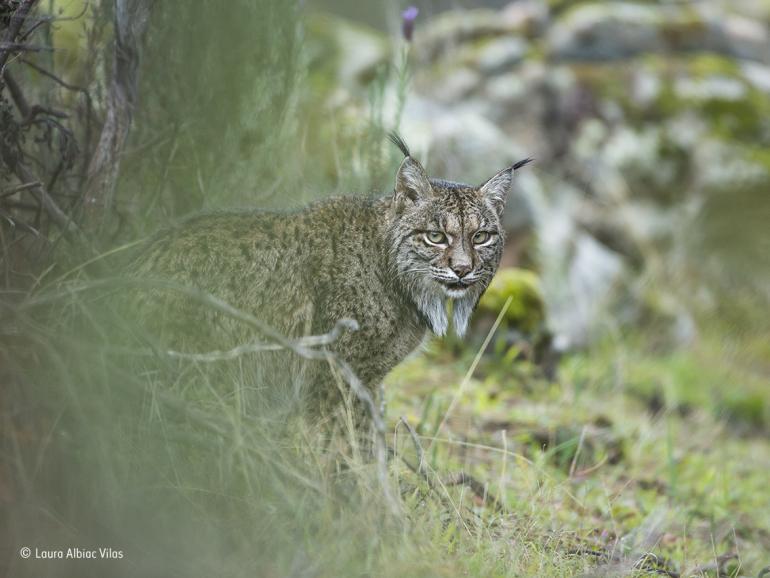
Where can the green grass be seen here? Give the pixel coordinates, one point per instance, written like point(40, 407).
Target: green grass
point(165, 462)
point(597, 461)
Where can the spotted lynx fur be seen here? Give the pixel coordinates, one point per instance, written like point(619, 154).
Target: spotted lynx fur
point(391, 263)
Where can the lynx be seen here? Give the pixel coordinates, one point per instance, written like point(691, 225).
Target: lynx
point(392, 264)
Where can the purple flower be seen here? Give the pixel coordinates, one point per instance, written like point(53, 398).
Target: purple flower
point(408, 17)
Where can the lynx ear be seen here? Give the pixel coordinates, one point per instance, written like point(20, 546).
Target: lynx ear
point(495, 190)
point(411, 182)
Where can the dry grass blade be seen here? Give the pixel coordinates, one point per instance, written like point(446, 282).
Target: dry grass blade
point(469, 374)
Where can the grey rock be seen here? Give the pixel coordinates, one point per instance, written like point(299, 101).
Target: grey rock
point(507, 89)
point(710, 88)
point(456, 85)
point(459, 136)
point(448, 31)
point(618, 30)
point(501, 54)
point(745, 38)
point(646, 88)
point(578, 273)
point(591, 276)
point(529, 17)
point(758, 75)
point(720, 167)
point(604, 31)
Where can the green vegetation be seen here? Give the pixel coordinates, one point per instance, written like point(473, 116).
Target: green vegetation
point(526, 310)
point(638, 459)
point(631, 450)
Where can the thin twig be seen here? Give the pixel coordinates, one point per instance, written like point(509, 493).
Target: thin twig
point(482, 492)
point(648, 562)
point(41, 20)
point(89, 114)
point(14, 222)
point(40, 192)
point(16, 94)
point(37, 109)
point(423, 473)
point(18, 188)
point(457, 479)
point(14, 26)
point(52, 76)
point(21, 47)
point(20, 205)
point(57, 215)
point(417, 445)
point(247, 348)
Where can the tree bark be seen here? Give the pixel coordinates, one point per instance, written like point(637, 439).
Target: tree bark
point(130, 22)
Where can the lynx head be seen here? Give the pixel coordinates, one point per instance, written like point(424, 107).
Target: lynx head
point(447, 239)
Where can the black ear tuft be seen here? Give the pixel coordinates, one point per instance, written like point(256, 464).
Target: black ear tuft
point(520, 164)
point(394, 137)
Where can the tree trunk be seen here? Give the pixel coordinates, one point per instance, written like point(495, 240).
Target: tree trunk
point(130, 23)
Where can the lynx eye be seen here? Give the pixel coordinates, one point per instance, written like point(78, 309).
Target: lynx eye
point(435, 238)
point(481, 237)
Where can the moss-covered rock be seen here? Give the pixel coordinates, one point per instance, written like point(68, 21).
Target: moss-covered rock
point(449, 31)
point(526, 311)
point(681, 125)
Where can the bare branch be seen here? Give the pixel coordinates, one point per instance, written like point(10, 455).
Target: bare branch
point(17, 20)
point(256, 347)
point(14, 222)
point(53, 77)
point(21, 205)
point(8, 47)
point(15, 160)
point(37, 109)
point(18, 188)
point(41, 195)
point(16, 94)
point(417, 446)
point(41, 20)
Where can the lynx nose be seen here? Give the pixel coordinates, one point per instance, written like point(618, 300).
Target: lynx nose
point(461, 269)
